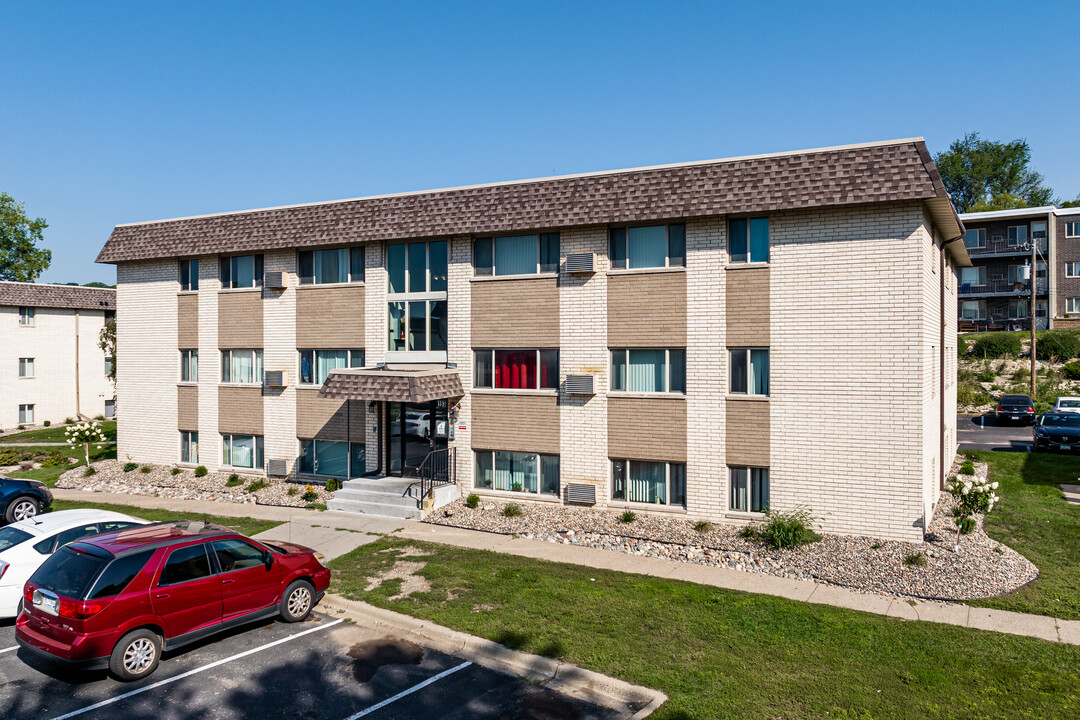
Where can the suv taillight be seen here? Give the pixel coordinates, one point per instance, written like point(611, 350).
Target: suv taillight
point(28, 595)
point(1001, 409)
point(77, 610)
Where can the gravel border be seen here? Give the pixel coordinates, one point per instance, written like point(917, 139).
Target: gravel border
point(160, 482)
point(979, 567)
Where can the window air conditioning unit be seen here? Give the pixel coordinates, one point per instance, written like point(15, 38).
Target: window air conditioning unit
point(274, 280)
point(580, 263)
point(581, 493)
point(275, 378)
point(277, 468)
point(579, 385)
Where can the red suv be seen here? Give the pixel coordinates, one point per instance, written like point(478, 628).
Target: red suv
point(118, 600)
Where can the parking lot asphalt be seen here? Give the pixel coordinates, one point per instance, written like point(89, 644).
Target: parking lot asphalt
point(321, 669)
point(986, 433)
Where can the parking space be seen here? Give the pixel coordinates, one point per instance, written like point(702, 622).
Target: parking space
point(319, 669)
point(984, 432)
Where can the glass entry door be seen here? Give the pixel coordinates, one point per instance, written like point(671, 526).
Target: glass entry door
point(411, 432)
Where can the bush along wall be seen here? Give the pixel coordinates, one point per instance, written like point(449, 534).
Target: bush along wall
point(996, 345)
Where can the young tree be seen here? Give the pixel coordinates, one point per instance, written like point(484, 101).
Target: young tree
point(20, 257)
point(986, 175)
point(84, 434)
point(107, 342)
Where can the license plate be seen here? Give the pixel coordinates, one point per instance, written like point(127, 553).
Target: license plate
point(1066, 447)
point(45, 603)
point(1014, 417)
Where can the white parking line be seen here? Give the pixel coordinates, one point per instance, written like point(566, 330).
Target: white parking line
point(410, 691)
point(9, 649)
point(189, 673)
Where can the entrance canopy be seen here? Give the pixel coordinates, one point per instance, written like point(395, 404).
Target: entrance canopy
point(386, 385)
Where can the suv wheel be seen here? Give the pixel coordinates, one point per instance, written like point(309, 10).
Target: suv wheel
point(136, 655)
point(23, 507)
point(297, 601)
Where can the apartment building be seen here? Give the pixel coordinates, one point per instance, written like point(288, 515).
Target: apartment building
point(1065, 236)
point(709, 339)
point(51, 367)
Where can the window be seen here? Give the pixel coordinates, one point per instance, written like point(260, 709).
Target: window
point(1072, 305)
point(189, 366)
point(1018, 309)
point(242, 451)
point(242, 271)
point(646, 247)
point(973, 276)
point(189, 275)
point(749, 239)
point(108, 366)
point(658, 483)
point(1018, 235)
point(315, 365)
point(118, 575)
point(189, 447)
point(1038, 230)
point(517, 472)
point(72, 534)
point(26, 414)
point(237, 555)
point(517, 369)
point(649, 370)
point(516, 255)
point(975, 238)
point(749, 489)
point(973, 310)
point(1041, 308)
point(1022, 273)
point(110, 408)
point(333, 458)
point(69, 574)
point(1072, 229)
point(1072, 269)
point(750, 371)
point(185, 564)
point(241, 366)
point(26, 316)
point(110, 316)
point(417, 315)
point(339, 265)
point(26, 367)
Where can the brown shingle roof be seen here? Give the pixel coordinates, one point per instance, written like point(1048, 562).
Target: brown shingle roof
point(411, 386)
point(57, 296)
point(897, 170)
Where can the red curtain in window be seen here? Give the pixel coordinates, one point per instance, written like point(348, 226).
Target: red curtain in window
point(515, 369)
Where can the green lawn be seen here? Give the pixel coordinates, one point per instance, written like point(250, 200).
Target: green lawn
point(719, 653)
point(245, 525)
point(1034, 519)
point(55, 434)
point(49, 475)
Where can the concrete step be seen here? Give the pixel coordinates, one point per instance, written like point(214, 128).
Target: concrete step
point(374, 496)
point(383, 485)
point(374, 508)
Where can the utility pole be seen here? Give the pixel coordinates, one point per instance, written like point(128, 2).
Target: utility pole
point(1031, 307)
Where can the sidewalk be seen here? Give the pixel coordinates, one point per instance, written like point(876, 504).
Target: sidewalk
point(335, 533)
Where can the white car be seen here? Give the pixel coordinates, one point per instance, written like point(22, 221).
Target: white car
point(26, 544)
point(1067, 404)
point(418, 424)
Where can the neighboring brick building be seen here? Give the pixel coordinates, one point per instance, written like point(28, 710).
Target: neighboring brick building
point(51, 367)
point(1066, 239)
point(707, 339)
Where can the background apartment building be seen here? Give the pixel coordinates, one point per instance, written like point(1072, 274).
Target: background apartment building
point(51, 367)
point(700, 339)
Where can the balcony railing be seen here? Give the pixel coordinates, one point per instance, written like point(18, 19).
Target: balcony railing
point(1003, 287)
point(999, 245)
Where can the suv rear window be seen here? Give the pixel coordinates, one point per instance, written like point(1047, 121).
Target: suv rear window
point(69, 572)
point(10, 537)
point(119, 575)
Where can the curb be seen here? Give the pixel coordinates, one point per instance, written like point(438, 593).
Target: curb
point(631, 702)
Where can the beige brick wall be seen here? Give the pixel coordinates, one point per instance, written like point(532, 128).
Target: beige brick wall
point(646, 309)
point(528, 423)
point(522, 313)
point(647, 428)
point(209, 364)
point(746, 425)
point(240, 318)
point(459, 351)
point(279, 353)
point(330, 317)
point(747, 307)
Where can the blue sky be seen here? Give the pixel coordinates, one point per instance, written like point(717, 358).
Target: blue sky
point(125, 111)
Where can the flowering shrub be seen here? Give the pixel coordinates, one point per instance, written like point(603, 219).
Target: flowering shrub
point(974, 496)
point(84, 434)
point(309, 494)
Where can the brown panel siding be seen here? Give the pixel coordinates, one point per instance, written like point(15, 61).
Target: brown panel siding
point(325, 419)
point(330, 317)
point(748, 433)
point(240, 319)
point(527, 423)
point(642, 428)
point(187, 321)
point(748, 307)
point(187, 407)
point(647, 309)
point(515, 313)
point(240, 410)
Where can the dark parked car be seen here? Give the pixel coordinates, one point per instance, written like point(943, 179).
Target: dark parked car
point(22, 499)
point(1058, 431)
point(118, 600)
point(1016, 408)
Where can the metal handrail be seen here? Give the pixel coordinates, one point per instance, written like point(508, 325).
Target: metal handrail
point(438, 468)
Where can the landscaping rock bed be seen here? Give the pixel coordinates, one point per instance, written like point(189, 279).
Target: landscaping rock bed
point(980, 568)
point(160, 482)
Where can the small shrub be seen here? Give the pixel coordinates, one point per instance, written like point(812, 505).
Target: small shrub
point(996, 345)
point(69, 421)
point(968, 468)
point(99, 418)
point(703, 526)
point(1057, 344)
point(47, 423)
point(1072, 370)
point(513, 510)
point(233, 481)
point(146, 469)
point(915, 559)
point(292, 492)
point(970, 394)
point(88, 471)
point(1021, 374)
point(472, 501)
point(175, 471)
point(748, 532)
point(201, 471)
point(628, 516)
point(998, 550)
point(967, 526)
point(876, 546)
point(22, 427)
point(788, 529)
point(55, 458)
point(8, 456)
point(309, 494)
point(256, 485)
point(333, 485)
point(128, 467)
point(986, 374)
